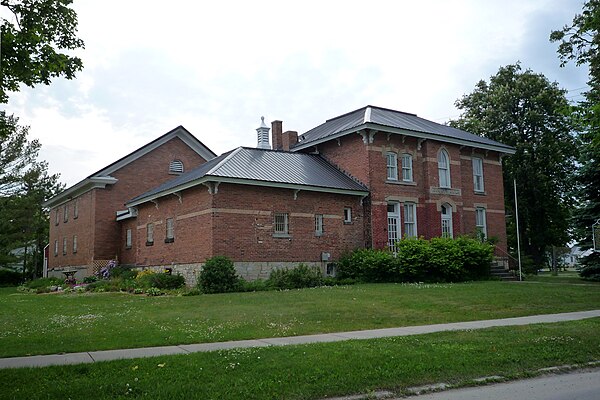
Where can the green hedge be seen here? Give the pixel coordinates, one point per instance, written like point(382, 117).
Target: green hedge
point(218, 276)
point(420, 260)
point(299, 277)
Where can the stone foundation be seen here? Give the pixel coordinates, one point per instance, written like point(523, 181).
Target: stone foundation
point(248, 270)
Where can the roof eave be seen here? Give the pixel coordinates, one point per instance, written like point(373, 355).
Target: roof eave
point(221, 179)
point(421, 135)
point(94, 182)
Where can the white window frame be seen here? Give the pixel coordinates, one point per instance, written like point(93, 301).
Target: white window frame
point(170, 230)
point(407, 167)
point(481, 221)
point(478, 185)
point(444, 169)
point(56, 248)
point(347, 215)
point(128, 238)
point(76, 209)
point(392, 166)
point(176, 167)
point(57, 216)
point(446, 220)
point(74, 244)
point(410, 220)
point(281, 224)
point(150, 234)
point(318, 224)
point(393, 225)
point(66, 213)
point(64, 246)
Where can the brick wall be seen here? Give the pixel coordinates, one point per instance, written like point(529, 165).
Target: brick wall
point(368, 162)
point(100, 236)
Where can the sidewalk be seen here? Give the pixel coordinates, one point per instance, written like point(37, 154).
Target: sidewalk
point(107, 355)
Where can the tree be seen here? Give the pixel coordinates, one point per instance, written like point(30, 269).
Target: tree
point(24, 186)
point(32, 41)
point(581, 42)
point(527, 111)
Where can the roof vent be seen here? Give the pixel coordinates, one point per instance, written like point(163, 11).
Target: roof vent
point(263, 135)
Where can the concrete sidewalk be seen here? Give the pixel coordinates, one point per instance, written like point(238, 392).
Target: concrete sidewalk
point(107, 355)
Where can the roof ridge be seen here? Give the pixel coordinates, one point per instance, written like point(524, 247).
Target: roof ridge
point(223, 161)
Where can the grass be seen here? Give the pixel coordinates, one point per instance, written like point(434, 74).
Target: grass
point(317, 370)
point(562, 277)
point(53, 323)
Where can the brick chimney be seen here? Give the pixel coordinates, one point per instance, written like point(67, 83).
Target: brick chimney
point(276, 136)
point(288, 139)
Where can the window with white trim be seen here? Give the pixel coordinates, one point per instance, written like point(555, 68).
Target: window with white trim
point(318, 224)
point(392, 166)
point(480, 222)
point(128, 238)
point(477, 174)
point(281, 224)
point(410, 220)
point(149, 234)
point(447, 221)
point(64, 246)
point(66, 213)
point(76, 209)
point(444, 168)
point(55, 248)
point(176, 167)
point(393, 221)
point(170, 227)
point(74, 244)
point(57, 217)
point(407, 169)
point(347, 215)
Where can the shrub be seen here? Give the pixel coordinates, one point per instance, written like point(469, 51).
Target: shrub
point(591, 267)
point(10, 278)
point(164, 281)
point(218, 276)
point(420, 260)
point(368, 265)
point(90, 279)
point(302, 276)
point(258, 285)
point(124, 272)
point(42, 283)
point(153, 291)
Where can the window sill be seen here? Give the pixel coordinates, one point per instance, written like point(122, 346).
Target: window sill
point(169, 240)
point(149, 243)
point(412, 183)
point(480, 192)
point(282, 235)
point(319, 234)
point(347, 222)
point(127, 247)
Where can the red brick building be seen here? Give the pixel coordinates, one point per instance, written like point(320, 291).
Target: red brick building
point(364, 179)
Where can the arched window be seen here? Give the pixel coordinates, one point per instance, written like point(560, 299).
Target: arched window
point(447, 220)
point(444, 168)
point(176, 167)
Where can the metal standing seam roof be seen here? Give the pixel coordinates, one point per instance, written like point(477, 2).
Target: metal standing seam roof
point(394, 119)
point(268, 166)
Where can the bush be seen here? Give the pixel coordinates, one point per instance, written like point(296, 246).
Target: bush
point(218, 276)
point(420, 260)
point(10, 278)
point(591, 267)
point(302, 276)
point(257, 285)
point(42, 283)
point(164, 281)
point(123, 271)
point(90, 279)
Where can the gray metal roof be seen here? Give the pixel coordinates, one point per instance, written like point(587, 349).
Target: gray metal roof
point(260, 165)
point(371, 116)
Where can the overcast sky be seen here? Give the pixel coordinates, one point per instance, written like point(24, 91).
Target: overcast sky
point(217, 67)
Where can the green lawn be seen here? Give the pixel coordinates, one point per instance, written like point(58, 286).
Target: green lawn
point(562, 277)
point(52, 323)
point(318, 370)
